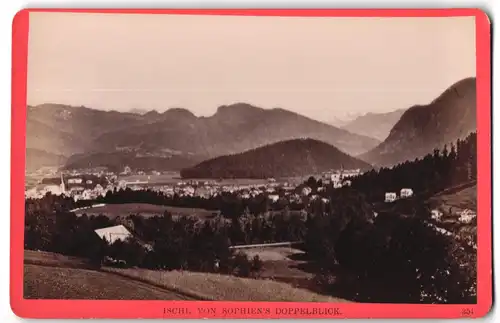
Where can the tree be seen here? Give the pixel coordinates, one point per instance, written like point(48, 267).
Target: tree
point(257, 264)
point(404, 251)
point(312, 183)
point(242, 265)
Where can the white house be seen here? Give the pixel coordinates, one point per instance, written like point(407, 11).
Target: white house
point(436, 214)
point(335, 177)
point(274, 197)
point(337, 184)
point(189, 190)
point(466, 216)
point(351, 173)
point(306, 191)
point(115, 233)
point(406, 192)
point(390, 197)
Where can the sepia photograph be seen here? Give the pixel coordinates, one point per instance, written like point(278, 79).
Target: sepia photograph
point(251, 158)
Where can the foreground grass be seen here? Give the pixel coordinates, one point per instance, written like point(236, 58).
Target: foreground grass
point(221, 287)
point(42, 282)
point(44, 258)
point(51, 275)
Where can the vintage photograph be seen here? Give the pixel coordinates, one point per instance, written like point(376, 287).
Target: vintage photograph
point(251, 158)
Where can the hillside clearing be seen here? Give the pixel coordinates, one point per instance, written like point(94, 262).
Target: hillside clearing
point(284, 264)
point(456, 200)
point(144, 209)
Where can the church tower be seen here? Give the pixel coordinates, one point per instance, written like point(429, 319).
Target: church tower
point(63, 186)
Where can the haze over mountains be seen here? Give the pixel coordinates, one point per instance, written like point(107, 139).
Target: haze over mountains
point(422, 128)
point(374, 125)
point(175, 139)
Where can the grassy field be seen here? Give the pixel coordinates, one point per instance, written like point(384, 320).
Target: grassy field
point(144, 209)
point(283, 264)
point(451, 203)
point(53, 260)
point(457, 200)
point(220, 287)
point(53, 276)
point(42, 282)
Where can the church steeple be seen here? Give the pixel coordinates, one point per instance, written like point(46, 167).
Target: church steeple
point(63, 186)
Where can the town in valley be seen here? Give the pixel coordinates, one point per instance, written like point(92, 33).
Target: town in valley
point(248, 159)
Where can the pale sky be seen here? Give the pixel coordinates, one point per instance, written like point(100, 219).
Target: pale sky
point(319, 67)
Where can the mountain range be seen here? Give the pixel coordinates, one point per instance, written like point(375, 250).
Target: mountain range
point(232, 129)
point(374, 125)
point(422, 128)
point(36, 159)
point(84, 133)
point(290, 158)
point(80, 137)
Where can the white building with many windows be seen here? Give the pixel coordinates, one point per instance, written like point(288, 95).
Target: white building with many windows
point(390, 197)
point(406, 192)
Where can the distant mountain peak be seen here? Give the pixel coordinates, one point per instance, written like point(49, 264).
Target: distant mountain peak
point(374, 125)
point(152, 113)
point(138, 111)
point(180, 112)
point(458, 89)
point(422, 128)
point(237, 107)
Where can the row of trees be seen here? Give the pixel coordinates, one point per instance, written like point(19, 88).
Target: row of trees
point(390, 257)
point(158, 242)
point(454, 164)
point(393, 257)
point(231, 205)
point(362, 253)
point(393, 254)
point(174, 242)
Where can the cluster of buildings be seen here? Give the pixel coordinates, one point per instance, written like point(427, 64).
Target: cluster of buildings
point(464, 216)
point(341, 178)
point(89, 186)
point(393, 196)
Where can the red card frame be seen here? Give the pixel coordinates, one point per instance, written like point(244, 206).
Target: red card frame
point(155, 309)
